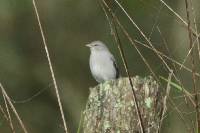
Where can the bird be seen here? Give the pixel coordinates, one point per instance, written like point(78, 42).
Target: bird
point(102, 63)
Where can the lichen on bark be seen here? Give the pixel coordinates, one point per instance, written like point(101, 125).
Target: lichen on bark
point(110, 106)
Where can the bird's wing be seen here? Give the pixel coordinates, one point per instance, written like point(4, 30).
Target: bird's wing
point(116, 67)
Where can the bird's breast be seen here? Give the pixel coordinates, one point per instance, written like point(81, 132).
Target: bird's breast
point(102, 66)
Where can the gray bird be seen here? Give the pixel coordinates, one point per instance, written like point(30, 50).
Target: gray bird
point(102, 63)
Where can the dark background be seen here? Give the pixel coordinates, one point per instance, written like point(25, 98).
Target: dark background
point(68, 26)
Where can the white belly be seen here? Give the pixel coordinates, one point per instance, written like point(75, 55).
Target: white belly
point(102, 67)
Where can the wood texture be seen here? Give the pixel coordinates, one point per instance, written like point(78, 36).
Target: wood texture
point(110, 107)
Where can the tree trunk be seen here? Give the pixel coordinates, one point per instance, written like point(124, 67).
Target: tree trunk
point(110, 107)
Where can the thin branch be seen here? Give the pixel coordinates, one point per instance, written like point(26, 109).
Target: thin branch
point(131, 41)
point(8, 113)
point(196, 34)
point(31, 97)
point(188, 54)
point(50, 65)
point(155, 23)
point(6, 117)
point(193, 66)
point(151, 46)
point(196, 28)
point(168, 58)
point(165, 101)
point(144, 36)
point(118, 41)
point(154, 50)
point(167, 48)
point(3, 113)
point(176, 14)
point(180, 114)
point(13, 108)
point(174, 66)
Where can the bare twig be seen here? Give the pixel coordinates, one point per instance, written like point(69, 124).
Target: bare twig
point(155, 23)
point(8, 113)
point(154, 50)
point(50, 65)
point(193, 66)
point(144, 36)
point(150, 47)
point(180, 114)
point(175, 13)
point(196, 28)
point(174, 66)
point(13, 108)
point(4, 113)
point(6, 117)
point(31, 97)
point(130, 81)
point(118, 41)
point(135, 46)
point(188, 54)
point(174, 107)
point(180, 18)
point(168, 58)
point(165, 101)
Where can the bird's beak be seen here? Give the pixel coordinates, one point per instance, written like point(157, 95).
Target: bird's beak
point(88, 45)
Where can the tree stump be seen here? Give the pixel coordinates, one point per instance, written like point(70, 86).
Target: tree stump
point(110, 106)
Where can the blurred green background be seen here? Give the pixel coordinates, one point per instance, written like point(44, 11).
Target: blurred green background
point(68, 26)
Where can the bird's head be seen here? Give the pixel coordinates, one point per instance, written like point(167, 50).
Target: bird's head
point(97, 46)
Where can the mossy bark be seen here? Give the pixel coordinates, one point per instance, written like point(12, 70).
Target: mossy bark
point(110, 107)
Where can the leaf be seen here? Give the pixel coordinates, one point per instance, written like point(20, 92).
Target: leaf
point(178, 87)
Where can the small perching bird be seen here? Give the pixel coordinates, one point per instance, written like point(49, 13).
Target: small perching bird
point(102, 63)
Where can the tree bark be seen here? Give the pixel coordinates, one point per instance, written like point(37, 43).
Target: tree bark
point(110, 107)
